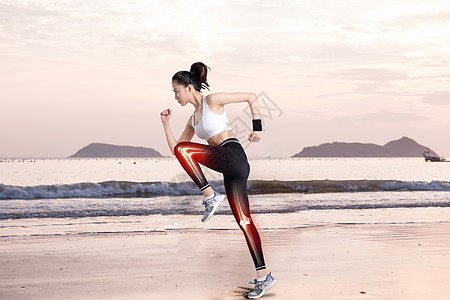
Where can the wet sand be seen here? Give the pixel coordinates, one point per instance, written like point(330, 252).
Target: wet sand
point(372, 261)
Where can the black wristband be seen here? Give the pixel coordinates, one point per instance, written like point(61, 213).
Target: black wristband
point(257, 126)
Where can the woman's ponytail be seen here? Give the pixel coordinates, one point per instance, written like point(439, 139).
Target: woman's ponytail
point(196, 76)
point(200, 72)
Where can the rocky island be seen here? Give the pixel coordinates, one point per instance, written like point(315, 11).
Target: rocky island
point(404, 147)
point(107, 150)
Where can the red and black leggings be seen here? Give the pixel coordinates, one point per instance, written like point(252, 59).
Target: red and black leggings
point(229, 159)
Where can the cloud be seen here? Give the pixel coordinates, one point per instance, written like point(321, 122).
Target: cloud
point(299, 59)
point(442, 98)
point(385, 116)
point(329, 30)
point(426, 18)
point(149, 30)
point(368, 81)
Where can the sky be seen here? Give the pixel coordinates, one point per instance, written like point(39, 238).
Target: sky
point(79, 72)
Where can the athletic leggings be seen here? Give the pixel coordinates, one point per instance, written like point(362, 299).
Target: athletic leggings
point(229, 159)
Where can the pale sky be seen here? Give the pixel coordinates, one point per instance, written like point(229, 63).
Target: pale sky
point(78, 72)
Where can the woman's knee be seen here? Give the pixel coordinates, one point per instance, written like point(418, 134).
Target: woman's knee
point(179, 148)
point(244, 222)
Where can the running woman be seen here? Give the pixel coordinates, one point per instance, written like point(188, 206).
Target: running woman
point(224, 153)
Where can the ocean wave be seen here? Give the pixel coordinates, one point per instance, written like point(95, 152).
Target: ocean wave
point(115, 207)
point(128, 189)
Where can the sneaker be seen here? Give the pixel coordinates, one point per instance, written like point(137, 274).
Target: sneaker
point(261, 287)
point(211, 205)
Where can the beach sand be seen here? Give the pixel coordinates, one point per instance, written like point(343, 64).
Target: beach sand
point(351, 261)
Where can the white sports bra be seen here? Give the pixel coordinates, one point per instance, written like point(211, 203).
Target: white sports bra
point(211, 123)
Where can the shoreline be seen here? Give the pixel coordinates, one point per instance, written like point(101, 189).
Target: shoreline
point(357, 261)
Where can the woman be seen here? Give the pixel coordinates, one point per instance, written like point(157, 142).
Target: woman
point(224, 154)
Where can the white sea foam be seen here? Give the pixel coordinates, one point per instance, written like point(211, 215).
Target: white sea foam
point(151, 189)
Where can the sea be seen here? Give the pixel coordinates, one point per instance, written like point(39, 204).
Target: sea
point(40, 196)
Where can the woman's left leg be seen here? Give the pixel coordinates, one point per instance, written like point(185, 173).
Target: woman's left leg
point(230, 160)
point(236, 189)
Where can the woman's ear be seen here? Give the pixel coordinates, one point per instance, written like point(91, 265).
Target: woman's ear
point(189, 88)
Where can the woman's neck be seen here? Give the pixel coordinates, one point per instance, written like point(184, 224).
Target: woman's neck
point(197, 102)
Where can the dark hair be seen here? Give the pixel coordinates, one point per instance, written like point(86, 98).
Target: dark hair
point(196, 76)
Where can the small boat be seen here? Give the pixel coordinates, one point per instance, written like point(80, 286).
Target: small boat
point(432, 158)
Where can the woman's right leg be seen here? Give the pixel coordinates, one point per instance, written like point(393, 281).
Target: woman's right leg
point(190, 154)
point(214, 157)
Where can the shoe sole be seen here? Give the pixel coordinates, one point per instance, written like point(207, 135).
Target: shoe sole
point(214, 209)
point(271, 285)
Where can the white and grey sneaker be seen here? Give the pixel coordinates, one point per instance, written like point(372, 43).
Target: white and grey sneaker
point(211, 205)
point(261, 287)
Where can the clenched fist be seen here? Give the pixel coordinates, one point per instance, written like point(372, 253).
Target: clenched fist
point(165, 115)
point(255, 136)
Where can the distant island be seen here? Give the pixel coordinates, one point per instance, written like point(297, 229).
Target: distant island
point(404, 147)
point(107, 150)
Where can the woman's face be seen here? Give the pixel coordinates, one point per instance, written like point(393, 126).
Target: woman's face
point(181, 93)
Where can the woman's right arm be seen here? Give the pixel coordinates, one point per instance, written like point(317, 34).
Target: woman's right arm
point(187, 134)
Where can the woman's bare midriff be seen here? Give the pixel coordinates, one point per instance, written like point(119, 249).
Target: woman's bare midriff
point(220, 137)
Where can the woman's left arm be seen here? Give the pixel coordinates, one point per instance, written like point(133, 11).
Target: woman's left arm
point(254, 107)
point(254, 136)
point(251, 98)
